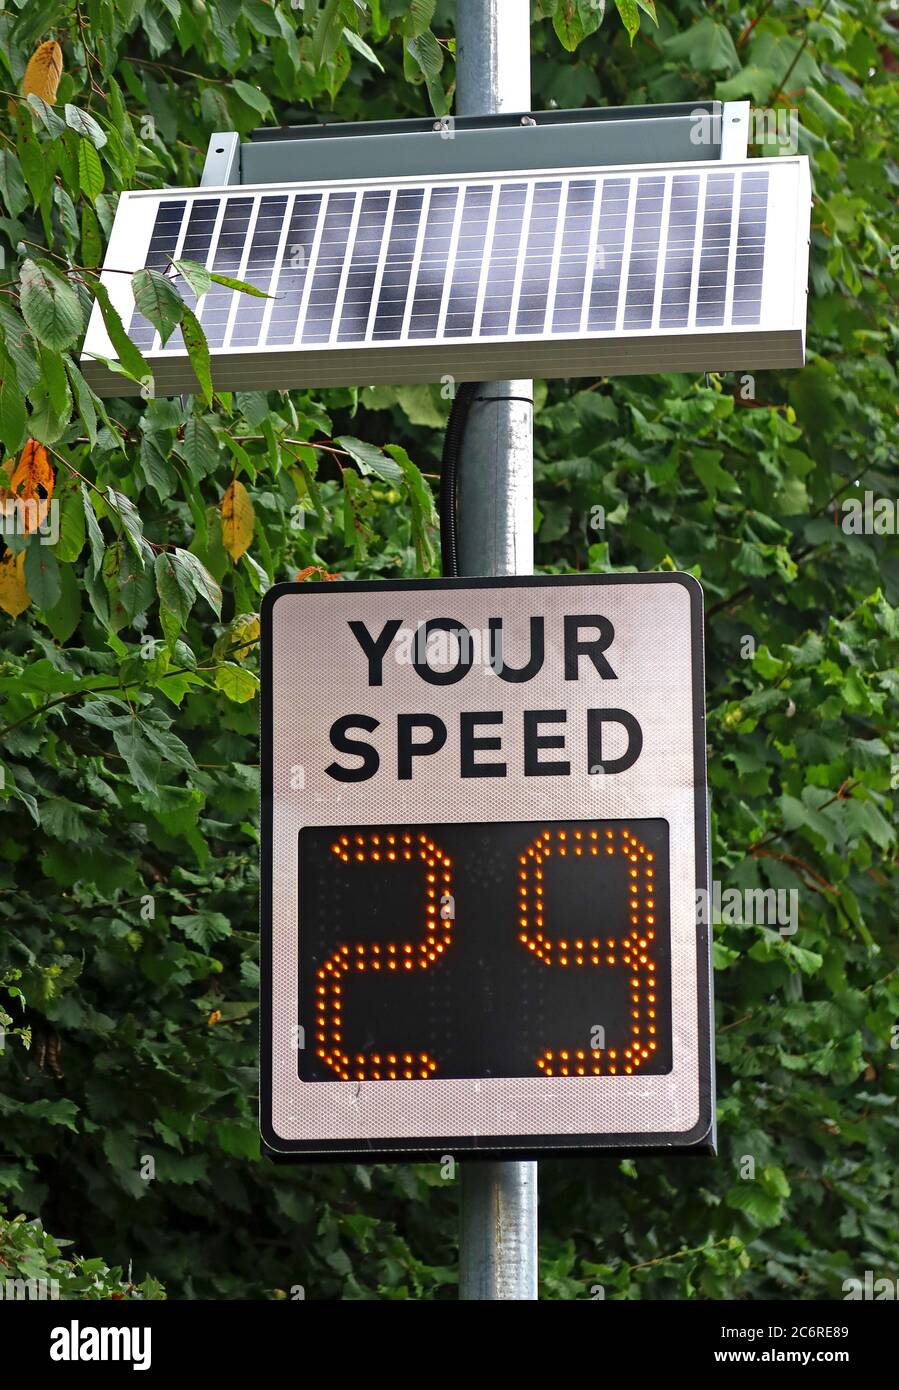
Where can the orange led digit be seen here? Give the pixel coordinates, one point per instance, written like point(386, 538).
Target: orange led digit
point(632, 944)
point(367, 956)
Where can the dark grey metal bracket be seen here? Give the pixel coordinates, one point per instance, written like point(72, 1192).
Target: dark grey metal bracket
point(600, 136)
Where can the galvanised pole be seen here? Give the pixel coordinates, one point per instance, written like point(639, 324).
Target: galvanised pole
point(498, 1236)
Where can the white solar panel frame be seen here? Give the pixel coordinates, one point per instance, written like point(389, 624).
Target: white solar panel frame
point(777, 341)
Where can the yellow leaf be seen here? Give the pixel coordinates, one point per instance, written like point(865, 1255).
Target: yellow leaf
point(14, 597)
point(238, 520)
point(238, 640)
point(43, 72)
point(31, 485)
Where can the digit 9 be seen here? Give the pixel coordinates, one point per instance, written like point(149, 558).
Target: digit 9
point(628, 950)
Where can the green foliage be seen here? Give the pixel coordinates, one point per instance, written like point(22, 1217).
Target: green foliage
point(128, 805)
point(32, 1266)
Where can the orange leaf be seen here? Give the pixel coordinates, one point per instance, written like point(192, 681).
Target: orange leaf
point(43, 72)
point(302, 575)
point(238, 520)
point(14, 597)
point(33, 481)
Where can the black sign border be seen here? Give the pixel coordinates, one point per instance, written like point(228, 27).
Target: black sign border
point(701, 1140)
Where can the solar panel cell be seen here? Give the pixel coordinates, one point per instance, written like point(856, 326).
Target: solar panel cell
point(641, 279)
point(715, 243)
point(259, 270)
point(363, 268)
point(469, 261)
point(429, 282)
point(750, 257)
point(575, 250)
point(679, 252)
point(538, 259)
point(398, 269)
point(609, 254)
point(291, 281)
point(226, 260)
point(504, 253)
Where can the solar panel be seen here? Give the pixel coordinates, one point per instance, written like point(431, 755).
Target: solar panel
point(677, 267)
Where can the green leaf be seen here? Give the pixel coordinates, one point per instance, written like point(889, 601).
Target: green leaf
point(84, 398)
point(419, 16)
point(241, 1141)
point(55, 382)
point(236, 682)
point(45, 114)
point(204, 584)
point(362, 47)
point(370, 458)
point(196, 275)
point(94, 534)
point(71, 523)
point(85, 125)
point(131, 523)
point(36, 167)
point(141, 758)
point(20, 346)
point(199, 447)
point(41, 574)
point(90, 170)
point(242, 286)
point(175, 586)
point(132, 362)
point(573, 20)
point(91, 238)
point(424, 512)
point(198, 352)
point(12, 184)
point(427, 53)
point(705, 47)
point(49, 305)
point(326, 37)
point(63, 618)
point(630, 16)
point(204, 927)
point(156, 468)
point(706, 464)
point(251, 96)
point(13, 415)
point(158, 300)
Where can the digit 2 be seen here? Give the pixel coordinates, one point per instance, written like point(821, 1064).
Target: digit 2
point(389, 850)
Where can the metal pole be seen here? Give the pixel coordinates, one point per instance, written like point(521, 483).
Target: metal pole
point(498, 1235)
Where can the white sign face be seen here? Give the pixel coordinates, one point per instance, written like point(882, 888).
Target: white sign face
point(484, 833)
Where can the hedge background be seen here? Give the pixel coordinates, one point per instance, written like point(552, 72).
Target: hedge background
point(128, 819)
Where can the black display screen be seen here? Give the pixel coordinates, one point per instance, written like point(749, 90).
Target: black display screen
point(510, 949)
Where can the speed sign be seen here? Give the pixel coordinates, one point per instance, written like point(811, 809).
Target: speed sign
point(484, 833)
